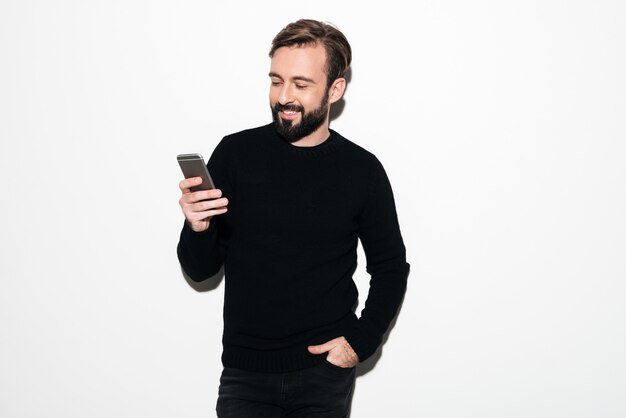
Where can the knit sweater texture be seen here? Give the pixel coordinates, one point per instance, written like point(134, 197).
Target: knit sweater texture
point(288, 245)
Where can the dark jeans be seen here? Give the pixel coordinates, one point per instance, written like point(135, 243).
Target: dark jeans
point(321, 391)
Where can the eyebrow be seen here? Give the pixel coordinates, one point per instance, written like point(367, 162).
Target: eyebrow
point(296, 78)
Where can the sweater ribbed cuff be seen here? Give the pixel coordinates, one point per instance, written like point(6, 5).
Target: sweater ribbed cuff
point(199, 237)
point(363, 344)
point(195, 251)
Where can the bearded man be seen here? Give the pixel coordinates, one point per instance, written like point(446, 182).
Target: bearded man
point(293, 199)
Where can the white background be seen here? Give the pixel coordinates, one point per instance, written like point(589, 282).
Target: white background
point(500, 124)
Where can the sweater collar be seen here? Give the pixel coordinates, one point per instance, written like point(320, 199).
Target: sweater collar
point(323, 148)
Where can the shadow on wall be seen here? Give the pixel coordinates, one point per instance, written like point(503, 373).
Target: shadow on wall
point(206, 285)
point(369, 364)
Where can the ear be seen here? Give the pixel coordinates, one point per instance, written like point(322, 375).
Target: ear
point(336, 90)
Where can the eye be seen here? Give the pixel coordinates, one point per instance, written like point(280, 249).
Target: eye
point(276, 82)
point(301, 86)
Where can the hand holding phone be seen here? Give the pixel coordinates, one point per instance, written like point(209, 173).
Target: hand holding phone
point(199, 201)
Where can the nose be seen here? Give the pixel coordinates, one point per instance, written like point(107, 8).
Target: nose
point(286, 94)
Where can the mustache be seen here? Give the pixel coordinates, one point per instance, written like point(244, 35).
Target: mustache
point(288, 108)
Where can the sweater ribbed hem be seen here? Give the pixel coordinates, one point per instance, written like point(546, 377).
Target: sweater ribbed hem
point(295, 357)
point(270, 361)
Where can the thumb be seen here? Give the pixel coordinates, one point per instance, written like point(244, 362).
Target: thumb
point(322, 348)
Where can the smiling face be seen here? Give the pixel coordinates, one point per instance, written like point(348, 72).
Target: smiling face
point(299, 96)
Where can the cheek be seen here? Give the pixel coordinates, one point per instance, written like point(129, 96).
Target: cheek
point(273, 94)
point(313, 102)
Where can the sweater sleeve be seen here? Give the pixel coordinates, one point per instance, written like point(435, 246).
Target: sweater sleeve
point(385, 253)
point(201, 254)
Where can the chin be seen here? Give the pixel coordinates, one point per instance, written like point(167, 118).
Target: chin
point(288, 123)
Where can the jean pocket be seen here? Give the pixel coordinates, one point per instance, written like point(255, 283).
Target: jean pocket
point(337, 369)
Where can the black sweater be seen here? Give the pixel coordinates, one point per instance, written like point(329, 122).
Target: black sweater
point(288, 244)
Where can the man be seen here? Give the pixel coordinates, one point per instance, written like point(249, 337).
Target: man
point(293, 199)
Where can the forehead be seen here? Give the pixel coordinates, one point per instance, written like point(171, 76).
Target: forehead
point(294, 61)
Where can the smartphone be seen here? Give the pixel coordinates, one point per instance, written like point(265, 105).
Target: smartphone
point(193, 165)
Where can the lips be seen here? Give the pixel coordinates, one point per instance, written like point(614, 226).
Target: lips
point(288, 112)
point(288, 115)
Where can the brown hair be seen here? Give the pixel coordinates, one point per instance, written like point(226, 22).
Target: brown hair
point(308, 32)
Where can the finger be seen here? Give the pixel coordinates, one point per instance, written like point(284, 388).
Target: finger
point(187, 184)
point(342, 354)
point(205, 205)
point(202, 216)
point(339, 362)
point(206, 194)
point(345, 364)
point(339, 358)
point(194, 197)
point(349, 357)
point(322, 348)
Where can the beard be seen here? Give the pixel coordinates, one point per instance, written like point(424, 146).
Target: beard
point(309, 121)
